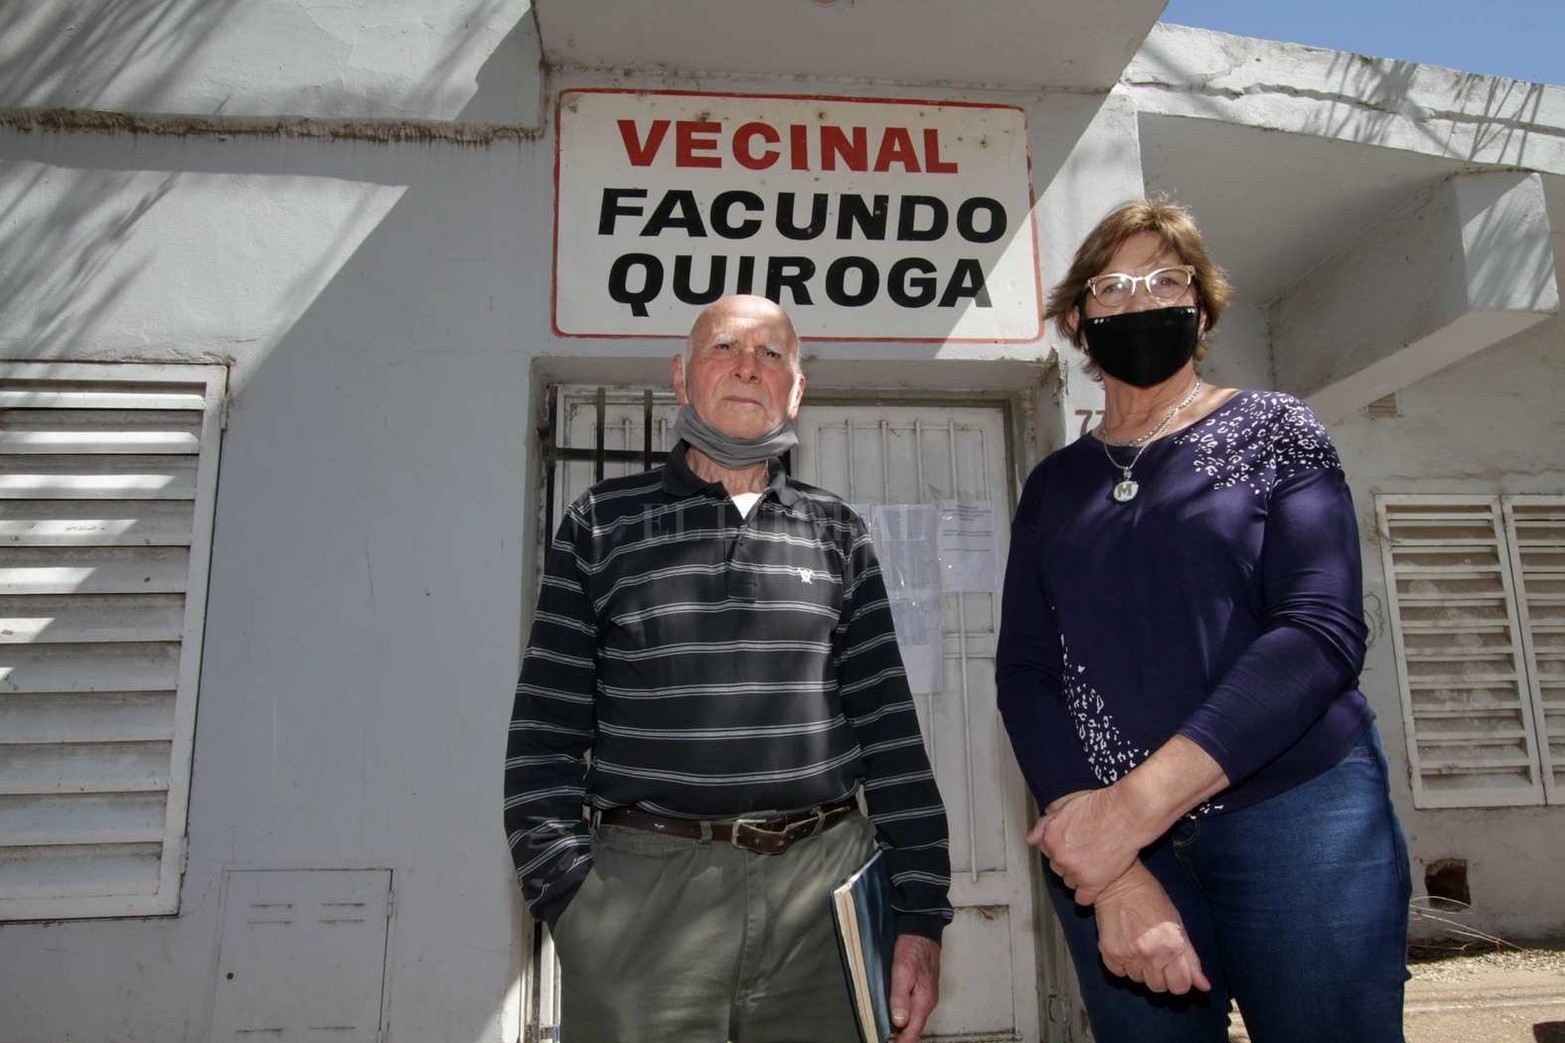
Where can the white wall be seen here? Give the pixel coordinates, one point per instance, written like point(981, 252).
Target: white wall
point(1490, 424)
point(364, 604)
point(378, 304)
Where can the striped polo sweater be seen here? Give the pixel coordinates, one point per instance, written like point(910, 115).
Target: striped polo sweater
point(715, 666)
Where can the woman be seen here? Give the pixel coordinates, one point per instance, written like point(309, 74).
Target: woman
point(1178, 662)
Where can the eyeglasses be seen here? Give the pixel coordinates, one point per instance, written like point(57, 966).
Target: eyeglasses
point(1114, 289)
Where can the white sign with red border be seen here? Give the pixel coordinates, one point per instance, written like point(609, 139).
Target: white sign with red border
point(866, 219)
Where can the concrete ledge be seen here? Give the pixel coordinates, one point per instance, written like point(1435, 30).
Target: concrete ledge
point(1466, 267)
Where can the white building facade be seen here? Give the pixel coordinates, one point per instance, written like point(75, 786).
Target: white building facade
point(310, 315)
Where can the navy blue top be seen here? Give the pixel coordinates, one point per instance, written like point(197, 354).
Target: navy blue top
point(1223, 604)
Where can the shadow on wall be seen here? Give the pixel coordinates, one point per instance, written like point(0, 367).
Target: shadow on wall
point(1375, 92)
point(1496, 239)
point(52, 260)
point(202, 58)
point(1480, 119)
point(1513, 104)
point(68, 266)
point(59, 274)
point(67, 55)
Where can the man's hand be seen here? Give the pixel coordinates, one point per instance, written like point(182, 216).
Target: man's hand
point(1141, 936)
point(915, 985)
point(1090, 839)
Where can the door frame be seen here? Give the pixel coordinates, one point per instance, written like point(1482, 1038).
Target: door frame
point(1032, 422)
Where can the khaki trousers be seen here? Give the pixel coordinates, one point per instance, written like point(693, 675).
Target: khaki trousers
point(671, 940)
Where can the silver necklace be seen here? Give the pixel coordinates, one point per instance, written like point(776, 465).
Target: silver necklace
point(1126, 488)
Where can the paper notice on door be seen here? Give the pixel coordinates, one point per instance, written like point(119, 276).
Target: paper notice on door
point(919, 641)
point(906, 541)
point(968, 547)
point(906, 538)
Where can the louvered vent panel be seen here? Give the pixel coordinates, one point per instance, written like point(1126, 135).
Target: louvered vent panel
point(107, 476)
point(1463, 679)
point(1537, 531)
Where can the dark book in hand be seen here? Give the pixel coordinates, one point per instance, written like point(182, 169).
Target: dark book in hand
point(866, 933)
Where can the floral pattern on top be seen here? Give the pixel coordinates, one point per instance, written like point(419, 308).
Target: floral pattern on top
point(1109, 753)
point(1259, 439)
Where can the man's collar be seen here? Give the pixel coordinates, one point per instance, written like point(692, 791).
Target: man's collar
point(778, 482)
point(680, 480)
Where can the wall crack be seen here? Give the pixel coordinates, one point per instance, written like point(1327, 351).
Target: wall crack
point(375, 131)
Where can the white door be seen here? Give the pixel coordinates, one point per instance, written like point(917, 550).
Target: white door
point(924, 454)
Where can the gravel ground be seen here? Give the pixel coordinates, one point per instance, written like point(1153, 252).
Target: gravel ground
point(1511, 995)
point(1501, 996)
point(1466, 967)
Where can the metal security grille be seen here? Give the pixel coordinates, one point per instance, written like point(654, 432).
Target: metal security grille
point(593, 433)
point(579, 441)
point(107, 481)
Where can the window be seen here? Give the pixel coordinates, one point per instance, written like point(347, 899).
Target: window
point(107, 480)
point(1477, 589)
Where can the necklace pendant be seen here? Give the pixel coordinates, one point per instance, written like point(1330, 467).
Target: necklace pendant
point(1125, 491)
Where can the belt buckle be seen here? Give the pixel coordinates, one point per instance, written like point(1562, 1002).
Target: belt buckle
point(750, 834)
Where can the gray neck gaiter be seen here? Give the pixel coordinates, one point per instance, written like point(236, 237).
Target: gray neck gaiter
point(727, 451)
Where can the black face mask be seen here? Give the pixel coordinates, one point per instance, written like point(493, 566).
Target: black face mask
point(1143, 348)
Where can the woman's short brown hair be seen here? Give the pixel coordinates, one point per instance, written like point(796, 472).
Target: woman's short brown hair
point(1171, 222)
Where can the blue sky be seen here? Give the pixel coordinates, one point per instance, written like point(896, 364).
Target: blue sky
point(1523, 39)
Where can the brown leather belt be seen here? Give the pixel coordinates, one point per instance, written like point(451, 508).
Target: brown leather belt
point(764, 836)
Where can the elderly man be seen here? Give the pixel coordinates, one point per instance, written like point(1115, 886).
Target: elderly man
point(716, 636)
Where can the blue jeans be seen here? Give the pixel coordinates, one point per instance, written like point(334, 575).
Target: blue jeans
point(1297, 907)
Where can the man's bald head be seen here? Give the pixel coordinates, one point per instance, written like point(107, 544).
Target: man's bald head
point(741, 305)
